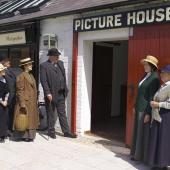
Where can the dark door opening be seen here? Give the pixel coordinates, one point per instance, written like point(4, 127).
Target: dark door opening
point(109, 89)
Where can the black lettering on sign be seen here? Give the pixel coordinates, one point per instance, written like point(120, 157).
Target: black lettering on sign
point(124, 19)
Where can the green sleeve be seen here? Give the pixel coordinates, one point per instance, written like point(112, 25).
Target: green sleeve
point(152, 89)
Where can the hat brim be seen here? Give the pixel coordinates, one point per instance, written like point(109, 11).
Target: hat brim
point(164, 71)
point(146, 60)
point(54, 54)
point(26, 63)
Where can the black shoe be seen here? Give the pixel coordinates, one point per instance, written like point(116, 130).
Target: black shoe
point(133, 159)
point(28, 140)
point(157, 168)
point(9, 133)
point(165, 168)
point(52, 135)
point(70, 135)
point(2, 140)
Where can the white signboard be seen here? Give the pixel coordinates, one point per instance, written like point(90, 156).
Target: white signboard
point(12, 38)
point(124, 19)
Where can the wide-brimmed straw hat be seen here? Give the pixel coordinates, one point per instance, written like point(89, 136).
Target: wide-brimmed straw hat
point(150, 59)
point(25, 61)
point(2, 67)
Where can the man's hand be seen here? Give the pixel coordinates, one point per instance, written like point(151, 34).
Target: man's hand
point(23, 109)
point(146, 119)
point(4, 103)
point(154, 104)
point(49, 97)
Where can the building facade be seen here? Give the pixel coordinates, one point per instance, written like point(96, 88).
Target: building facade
point(101, 46)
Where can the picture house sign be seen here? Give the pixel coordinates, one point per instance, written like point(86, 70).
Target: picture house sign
point(124, 19)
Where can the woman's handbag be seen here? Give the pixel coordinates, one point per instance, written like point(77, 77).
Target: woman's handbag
point(21, 122)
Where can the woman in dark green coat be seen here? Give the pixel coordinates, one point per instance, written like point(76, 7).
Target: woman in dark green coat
point(147, 87)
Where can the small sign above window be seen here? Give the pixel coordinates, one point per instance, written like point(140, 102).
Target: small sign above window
point(12, 38)
point(49, 41)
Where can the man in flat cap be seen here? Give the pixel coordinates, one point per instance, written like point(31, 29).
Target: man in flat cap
point(53, 80)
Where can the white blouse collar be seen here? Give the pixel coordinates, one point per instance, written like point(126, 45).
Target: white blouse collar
point(148, 74)
point(167, 83)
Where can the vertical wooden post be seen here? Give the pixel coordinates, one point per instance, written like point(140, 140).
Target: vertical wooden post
point(74, 82)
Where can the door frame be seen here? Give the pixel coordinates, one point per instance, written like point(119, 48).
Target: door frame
point(78, 42)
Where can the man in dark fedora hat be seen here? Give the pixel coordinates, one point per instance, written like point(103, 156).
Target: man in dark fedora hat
point(53, 80)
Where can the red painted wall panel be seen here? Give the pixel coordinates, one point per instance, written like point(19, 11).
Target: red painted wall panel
point(153, 40)
point(74, 83)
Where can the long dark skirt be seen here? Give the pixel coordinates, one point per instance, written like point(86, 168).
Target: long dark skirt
point(11, 113)
point(140, 143)
point(29, 134)
point(3, 121)
point(159, 147)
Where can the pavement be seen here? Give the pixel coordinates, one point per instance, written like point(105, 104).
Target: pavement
point(83, 153)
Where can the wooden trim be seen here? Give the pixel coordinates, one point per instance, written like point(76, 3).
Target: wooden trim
point(72, 12)
point(36, 52)
point(74, 82)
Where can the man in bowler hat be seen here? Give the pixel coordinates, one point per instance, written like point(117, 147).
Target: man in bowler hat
point(10, 75)
point(53, 80)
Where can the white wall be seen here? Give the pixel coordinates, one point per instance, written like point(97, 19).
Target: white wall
point(63, 28)
point(85, 56)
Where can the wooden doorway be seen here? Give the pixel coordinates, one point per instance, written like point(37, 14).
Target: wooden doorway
point(109, 89)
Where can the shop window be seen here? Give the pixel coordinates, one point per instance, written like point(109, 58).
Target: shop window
point(25, 52)
point(16, 54)
point(4, 52)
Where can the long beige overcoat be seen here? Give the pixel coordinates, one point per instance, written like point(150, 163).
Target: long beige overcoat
point(26, 92)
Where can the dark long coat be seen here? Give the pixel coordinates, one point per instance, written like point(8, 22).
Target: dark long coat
point(159, 148)
point(11, 79)
point(146, 91)
point(49, 76)
point(3, 110)
point(10, 75)
point(26, 92)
